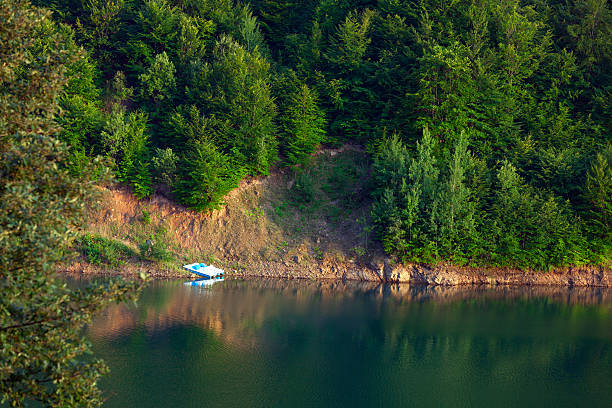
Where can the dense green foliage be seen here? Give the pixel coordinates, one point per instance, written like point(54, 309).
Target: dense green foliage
point(499, 111)
point(515, 136)
point(43, 201)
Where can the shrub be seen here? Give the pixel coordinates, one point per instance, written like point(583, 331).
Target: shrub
point(164, 166)
point(146, 217)
point(155, 248)
point(303, 188)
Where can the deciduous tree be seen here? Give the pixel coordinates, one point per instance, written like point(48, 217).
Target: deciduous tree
point(43, 356)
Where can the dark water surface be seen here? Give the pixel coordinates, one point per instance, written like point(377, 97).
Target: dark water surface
point(261, 343)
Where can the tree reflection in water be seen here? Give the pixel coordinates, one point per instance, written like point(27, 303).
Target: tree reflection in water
point(367, 343)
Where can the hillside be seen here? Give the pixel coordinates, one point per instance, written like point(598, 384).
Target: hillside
point(487, 124)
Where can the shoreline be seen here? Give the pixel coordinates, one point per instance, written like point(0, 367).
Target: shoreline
point(383, 271)
point(258, 234)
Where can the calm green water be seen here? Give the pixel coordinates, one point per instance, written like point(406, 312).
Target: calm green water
point(262, 343)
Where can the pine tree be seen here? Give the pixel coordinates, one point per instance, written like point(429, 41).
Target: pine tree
point(207, 175)
point(455, 217)
point(125, 140)
point(99, 27)
point(237, 94)
point(158, 29)
point(598, 190)
point(303, 123)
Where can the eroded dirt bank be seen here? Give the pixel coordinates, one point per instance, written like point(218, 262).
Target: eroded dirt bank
point(264, 231)
point(372, 272)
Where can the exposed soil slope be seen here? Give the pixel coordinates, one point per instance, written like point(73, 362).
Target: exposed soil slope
point(297, 223)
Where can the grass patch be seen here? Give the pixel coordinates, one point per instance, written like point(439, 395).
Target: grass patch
point(255, 214)
point(103, 251)
point(209, 259)
point(336, 185)
point(342, 178)
point(323, 198)
point(346, 180)
point(303, 189)
point(280, 210)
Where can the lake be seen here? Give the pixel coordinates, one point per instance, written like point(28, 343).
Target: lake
point(264, 343)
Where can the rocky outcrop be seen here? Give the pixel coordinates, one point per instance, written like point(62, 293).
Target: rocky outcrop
point(438, 275)
point(450, 275)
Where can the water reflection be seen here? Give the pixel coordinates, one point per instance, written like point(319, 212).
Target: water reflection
point(234, 307)
point(314, 343)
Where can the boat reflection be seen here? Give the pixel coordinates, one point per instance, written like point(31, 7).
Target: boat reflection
point(206, 282)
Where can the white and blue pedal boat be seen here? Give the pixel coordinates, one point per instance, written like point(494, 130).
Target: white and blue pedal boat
point(205, 271)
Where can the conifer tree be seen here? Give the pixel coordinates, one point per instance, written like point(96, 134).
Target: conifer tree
point(599, 193)
point(125, 140)
point(528, 83)
point(455, 215)
point(206, 176)
point(303, 124)
point(238, 91)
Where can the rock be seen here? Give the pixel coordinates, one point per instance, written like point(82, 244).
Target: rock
point(378, 267)
point(376, 264)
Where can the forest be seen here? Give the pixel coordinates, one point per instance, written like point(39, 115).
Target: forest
point(488, 122)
